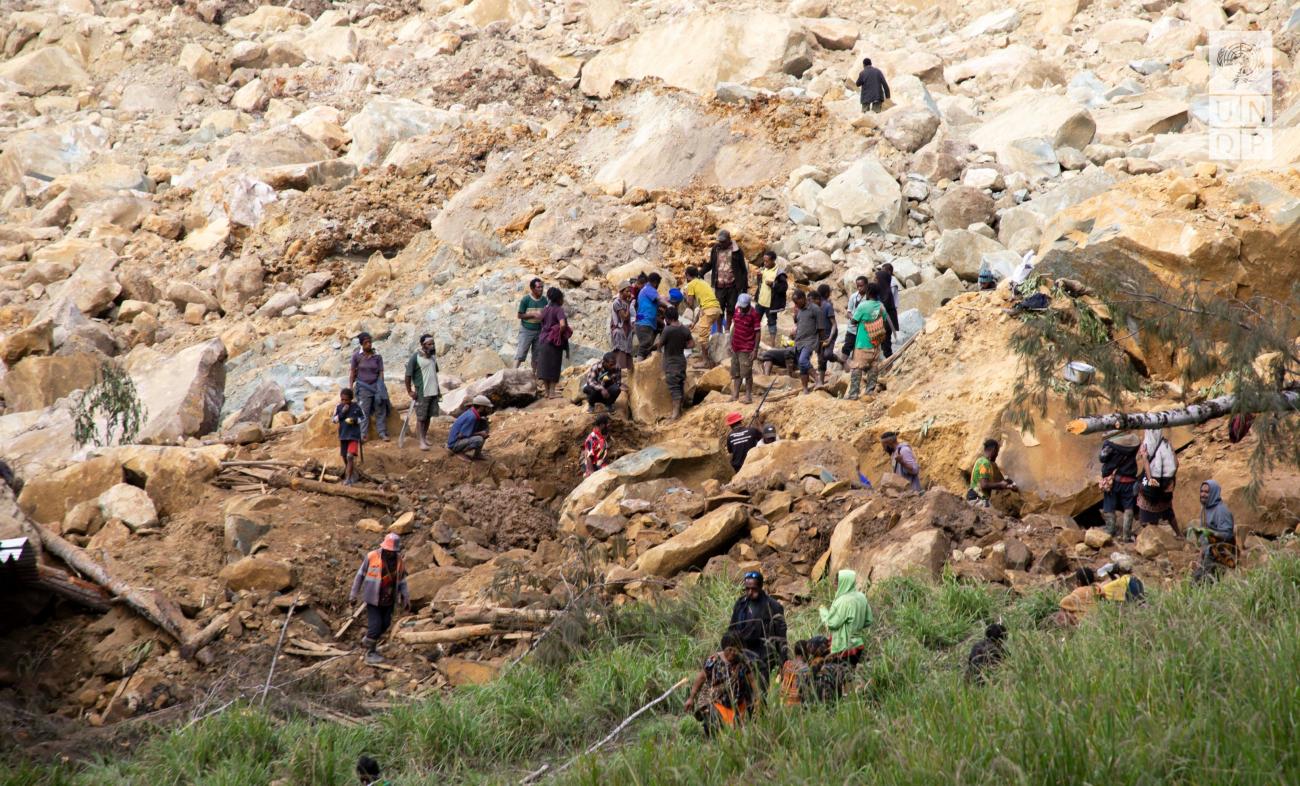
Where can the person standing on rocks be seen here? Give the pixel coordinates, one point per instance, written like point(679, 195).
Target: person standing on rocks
point(708, 312)
point(856, 297)
point(647, 316)
point(366, 377)
point(554, 342)
point(772, 287)
point(422, 386)
point(530, 322)
point(869, 321)
point(873, 90)
point(602, 383)
point(885, 286)
point(745, 325)
point(470, 430)
point(381, 583)
point(759, 620)
point(1158, 467)
point(595, 448)
point(352, 425)
point(810, 333)
point(675, 340)
point(986, 476)
point(905, 464)
point(621, 313)
point(1119, 474)
point(827, 353)
point(729, 273)
point(740, 440)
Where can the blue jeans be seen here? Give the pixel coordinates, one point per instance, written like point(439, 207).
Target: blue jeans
point(805, 357)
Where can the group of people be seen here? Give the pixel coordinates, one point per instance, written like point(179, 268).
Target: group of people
point(733, 682)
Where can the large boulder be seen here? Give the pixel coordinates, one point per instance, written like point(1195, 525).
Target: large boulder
point(130, 505)
point(1055, 117)
point(383, 122)
point(46, 497)
point(864, 195)
point(481, 13)
point(92, 288)
point(182, 393)
point(174, 477)
point(705, 536)
point(909, 129)
point(39, 71)
point(697, 52)
point(510, 387)
point(241, 282)
point(35, 339)
point(37, 382)
point(961, 206)
point(257, 573)
point(262, 405)
point(266, 19)
point(795, 459)
point(961, 251)
point(644, 464)
point(1033, 157)
point(648, 397)
point(423, 585)
point(913, 547)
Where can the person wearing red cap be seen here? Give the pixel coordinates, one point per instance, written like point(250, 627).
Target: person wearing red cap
point(740, 440)
point(381, 583)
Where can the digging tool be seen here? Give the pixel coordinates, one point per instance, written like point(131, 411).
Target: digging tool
point(753, 423)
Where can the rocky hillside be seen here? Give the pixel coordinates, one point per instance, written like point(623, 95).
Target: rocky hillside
point(217, 196)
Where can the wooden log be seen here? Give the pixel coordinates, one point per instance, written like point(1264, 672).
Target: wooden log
point(504, 617)
point(1284, 401)
point(372, 496)
point(164, 615)
point(447, 636)
point(69, 587)
point(210, 631)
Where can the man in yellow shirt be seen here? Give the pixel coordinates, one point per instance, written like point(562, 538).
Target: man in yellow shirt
point(701, 298)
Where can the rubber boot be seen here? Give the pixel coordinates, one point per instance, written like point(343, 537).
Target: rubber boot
point(855, 382)
point(372, 650)
point(1128, 535)
point(1109, 518)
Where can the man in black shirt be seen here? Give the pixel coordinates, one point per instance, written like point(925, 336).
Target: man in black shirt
point(674, 342)
point(1119, 474)
point(874, 89)
point(740, 440)
point(759, 620)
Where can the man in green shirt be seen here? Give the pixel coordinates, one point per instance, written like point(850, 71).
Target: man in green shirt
point(866, 317)
point(530, 322)
point(422, 385)
point(986, 477)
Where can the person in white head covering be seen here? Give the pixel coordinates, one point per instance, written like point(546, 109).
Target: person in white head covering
point(1159, 466)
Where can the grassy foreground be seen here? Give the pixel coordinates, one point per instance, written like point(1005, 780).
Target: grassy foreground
point(1197, 687)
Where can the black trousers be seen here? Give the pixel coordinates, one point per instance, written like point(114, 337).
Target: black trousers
point(727, 299)
point(602, 395)
point(887, 346)
point(378, 618)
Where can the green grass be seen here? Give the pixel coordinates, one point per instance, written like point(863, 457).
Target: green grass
point(1197, 687)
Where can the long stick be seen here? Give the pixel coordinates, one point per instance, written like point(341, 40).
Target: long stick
point(761, 402)
point(544, 769)
point(276, 655)
point(1283, 401)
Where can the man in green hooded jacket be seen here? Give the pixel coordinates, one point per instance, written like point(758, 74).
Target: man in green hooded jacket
point(847, 618)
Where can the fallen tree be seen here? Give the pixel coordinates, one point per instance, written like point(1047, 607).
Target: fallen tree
point(156, 607)
point(289, 480)
point(1284, 401)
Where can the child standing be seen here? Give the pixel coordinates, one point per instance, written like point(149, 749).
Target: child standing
point(351, 421)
